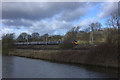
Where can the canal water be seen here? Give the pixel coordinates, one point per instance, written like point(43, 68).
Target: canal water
point(19, 67)
point(0, 65)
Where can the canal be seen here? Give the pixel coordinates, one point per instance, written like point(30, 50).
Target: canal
point(20, 67)
point(0, 65)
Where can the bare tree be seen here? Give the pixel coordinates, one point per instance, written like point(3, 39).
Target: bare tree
point(35, 36)
point(23, 37)
point(112, 22)
point(72, 34)
point(111, 32)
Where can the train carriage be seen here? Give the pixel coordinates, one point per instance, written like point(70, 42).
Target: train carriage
point(40, 43)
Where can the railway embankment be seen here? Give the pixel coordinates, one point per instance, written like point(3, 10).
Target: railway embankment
point(103, 55)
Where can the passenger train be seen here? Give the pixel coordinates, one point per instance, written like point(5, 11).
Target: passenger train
point(40, 43)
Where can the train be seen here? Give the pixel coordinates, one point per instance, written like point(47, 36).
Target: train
point(40, 43)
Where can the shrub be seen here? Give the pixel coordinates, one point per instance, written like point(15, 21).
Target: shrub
point(7, 43)
point(67, 44)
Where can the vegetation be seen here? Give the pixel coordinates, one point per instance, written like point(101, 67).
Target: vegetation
point(0, 46)
point(7, 43)
point(72, 56)
point(69, 37)
point(93, 35)
point(24, 37)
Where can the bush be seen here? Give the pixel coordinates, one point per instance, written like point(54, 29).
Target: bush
point(112, 36)
point(69, 37)
point(7, 43)
point(67, 44)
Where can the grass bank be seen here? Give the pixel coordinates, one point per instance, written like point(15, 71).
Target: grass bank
point(99, 56)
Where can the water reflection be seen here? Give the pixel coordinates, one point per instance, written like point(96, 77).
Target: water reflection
point(7, 66)
point(18, 67)
point(112, 72)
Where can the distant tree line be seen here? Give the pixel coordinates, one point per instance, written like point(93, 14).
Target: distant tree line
point(24, 37)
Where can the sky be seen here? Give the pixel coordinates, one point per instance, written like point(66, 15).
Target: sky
point(54, 18)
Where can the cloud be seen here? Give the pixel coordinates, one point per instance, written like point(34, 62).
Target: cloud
point(6, 30)
point(73, 14)
point(50, 27)
point(118, 8)
point(43, 17)
point(37, 11)
point(50, 17)
point(17, 22)
point(22, 10)
point(85, 23)
point(108, 9)
point(42, 27)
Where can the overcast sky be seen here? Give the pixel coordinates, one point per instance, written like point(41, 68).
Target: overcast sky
point(53, 17)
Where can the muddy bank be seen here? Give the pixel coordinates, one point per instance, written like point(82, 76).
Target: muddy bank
point(70, 56)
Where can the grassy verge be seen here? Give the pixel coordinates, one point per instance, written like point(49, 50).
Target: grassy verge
point(99, 56)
